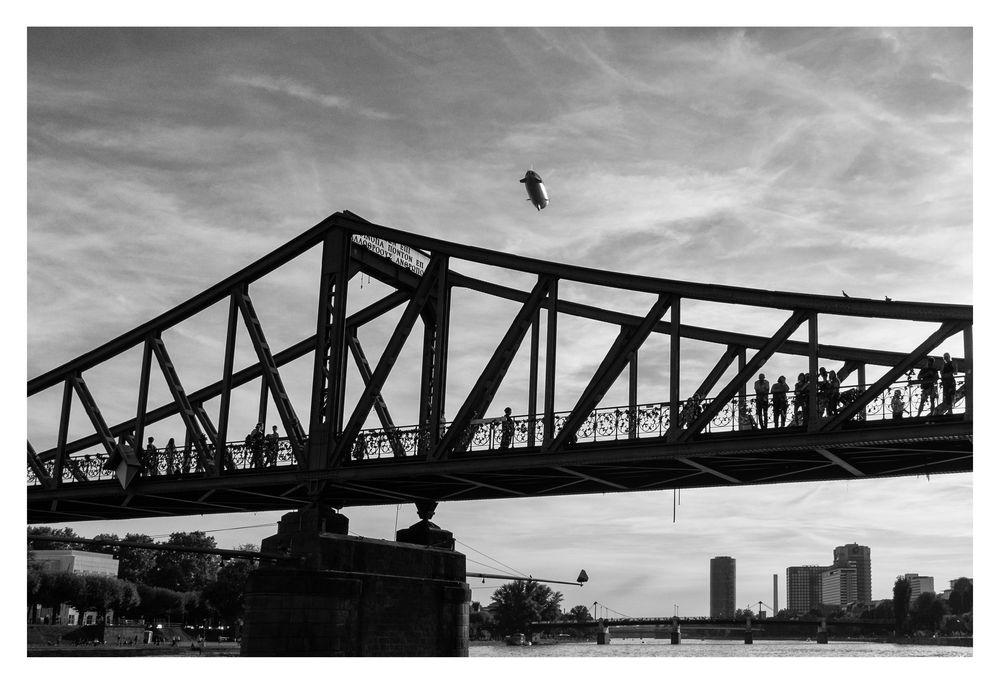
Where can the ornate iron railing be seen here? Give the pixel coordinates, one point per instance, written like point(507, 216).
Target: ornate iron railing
point(614, 423)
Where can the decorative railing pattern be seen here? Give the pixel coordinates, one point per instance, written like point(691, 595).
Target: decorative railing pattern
point(604, 424)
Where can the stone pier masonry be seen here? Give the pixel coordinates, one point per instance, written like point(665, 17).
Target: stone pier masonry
point(352, 596)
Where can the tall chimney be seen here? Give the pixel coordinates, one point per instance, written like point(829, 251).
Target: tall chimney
point(774, 606)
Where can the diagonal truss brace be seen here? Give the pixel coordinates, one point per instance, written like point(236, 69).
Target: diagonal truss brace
point(394, 346)
point(628, 341)
point(296, 436)
point(38, 469)
point(486, 386)
point(757, 362)
point(185, 410)
point(946, 330)
point(381, 409)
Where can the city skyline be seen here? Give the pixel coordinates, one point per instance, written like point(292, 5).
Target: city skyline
point(810, 160)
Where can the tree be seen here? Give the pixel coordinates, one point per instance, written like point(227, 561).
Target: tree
point(927, 611)
point(961, 596)
point(52, 532)
point(185, 571)
point(102, 593)
point(136, 565)
point(224, 596)
point(744, 613)
point(58, 588)
point(522, 602)
point(900, 603)
point(579, 614)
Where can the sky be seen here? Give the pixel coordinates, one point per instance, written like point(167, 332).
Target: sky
point(808, 160)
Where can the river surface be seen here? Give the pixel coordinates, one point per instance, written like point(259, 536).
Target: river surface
point(696, 648)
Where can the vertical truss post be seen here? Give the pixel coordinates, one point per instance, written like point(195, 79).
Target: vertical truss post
point(812, 403)
point(861, 383)
point(393, 347)
point(427, 428)
point(330, 363)
point(633, 393)
point(439, 368)
point(549, 424)
point(140, 411)
point(675, 364)
point(67, 403)
point(227, 380)
point(967, 340)
point(533, 378)
point(742, 404)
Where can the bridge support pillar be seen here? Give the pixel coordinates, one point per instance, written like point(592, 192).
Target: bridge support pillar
point(352, 596)
point(748, 634)
point(603, 635)
point(821, 635)
point(675, 633)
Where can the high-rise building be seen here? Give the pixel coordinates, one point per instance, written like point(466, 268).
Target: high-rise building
point(840, 586)
point(857, 556)
point(804, 587)
point(722, 587)
point(919, 584)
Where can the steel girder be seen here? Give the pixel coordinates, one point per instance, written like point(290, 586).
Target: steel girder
point(323, 452)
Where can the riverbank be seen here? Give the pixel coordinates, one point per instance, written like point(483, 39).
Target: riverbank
point(210, 649)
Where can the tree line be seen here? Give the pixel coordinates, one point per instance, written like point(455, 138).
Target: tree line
point(152, 584)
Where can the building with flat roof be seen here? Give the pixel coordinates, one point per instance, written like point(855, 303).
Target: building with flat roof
point(919, 584)
point(857, 556)
point(839, 586)
point(803, 587)
point(722, 587)
point(71, 560)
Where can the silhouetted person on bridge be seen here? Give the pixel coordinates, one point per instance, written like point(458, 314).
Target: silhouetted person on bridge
point(271, 447)
point(832, 393)
point(170, 458)
point(255, 445)
point(506, 429)
point(928, 378)
point(801, 399)
point(691, 410)
point(779, 401)
point(761, 388)
point(947, 384)
point(822, 392)
point(897, 405)
point(149, 458)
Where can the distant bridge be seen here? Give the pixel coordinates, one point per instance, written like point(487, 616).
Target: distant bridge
point(351, 454)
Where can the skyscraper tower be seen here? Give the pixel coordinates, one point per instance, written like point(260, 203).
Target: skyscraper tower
point(722, 587)
point(857, 556)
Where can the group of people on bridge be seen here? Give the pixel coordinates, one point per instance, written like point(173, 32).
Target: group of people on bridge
point(829, 398)
point(261, 450)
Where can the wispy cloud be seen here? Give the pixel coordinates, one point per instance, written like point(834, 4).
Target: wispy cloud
point(292, 88)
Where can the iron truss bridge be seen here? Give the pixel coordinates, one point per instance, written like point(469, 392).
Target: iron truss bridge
point(352, 453)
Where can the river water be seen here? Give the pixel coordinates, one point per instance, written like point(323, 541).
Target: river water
point(696, 648)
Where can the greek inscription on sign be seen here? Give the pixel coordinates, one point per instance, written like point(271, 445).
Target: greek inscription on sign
point(401, 255)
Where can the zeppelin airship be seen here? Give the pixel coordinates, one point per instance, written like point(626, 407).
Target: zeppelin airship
point(536, 189)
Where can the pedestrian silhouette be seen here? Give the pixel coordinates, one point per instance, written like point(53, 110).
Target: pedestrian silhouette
point(927, 377)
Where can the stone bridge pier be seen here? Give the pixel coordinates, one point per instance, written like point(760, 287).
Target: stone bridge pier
point(351, 596)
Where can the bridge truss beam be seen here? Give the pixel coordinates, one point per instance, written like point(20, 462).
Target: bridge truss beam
point(435, 461)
